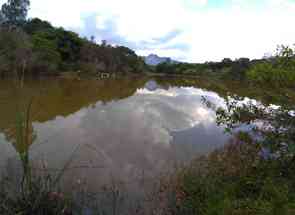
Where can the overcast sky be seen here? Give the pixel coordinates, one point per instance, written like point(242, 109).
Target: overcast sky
point(189, 30)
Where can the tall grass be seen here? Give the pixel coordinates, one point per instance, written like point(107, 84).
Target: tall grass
point(237, 180)
point(31, 193)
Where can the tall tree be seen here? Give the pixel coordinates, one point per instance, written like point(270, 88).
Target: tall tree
point(14, 12)
point(15, 51)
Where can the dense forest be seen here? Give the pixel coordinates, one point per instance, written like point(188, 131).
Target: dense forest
point(34, 46)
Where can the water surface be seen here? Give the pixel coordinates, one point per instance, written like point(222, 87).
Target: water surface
point(122, 129)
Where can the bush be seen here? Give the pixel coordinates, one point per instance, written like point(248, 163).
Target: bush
point(236, 180)
point(278, 71)
point(46, 56)
point(266, 73)
point(15, 51)
point(38, 198)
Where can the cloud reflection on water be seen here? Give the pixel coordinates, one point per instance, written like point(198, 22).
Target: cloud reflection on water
point(146, 132)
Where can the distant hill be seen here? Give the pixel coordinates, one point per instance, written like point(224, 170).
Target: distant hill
point(154, 60)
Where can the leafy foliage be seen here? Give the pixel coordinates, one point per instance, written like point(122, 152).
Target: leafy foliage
point(52, 50)
point(278, 71)
point(233, 69)
point(252, 175)
point(272, 127)
point(235, 180)
point(15, 51)
point(14, 12)
point(46, 57)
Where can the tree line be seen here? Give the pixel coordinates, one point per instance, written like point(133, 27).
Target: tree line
point(35, 46)
point(278, 70)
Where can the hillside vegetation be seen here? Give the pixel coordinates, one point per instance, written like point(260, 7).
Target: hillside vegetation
point(35, 46)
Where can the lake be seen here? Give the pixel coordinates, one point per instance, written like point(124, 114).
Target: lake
point(122, 129)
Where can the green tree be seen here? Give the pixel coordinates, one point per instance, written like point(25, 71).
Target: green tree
point(14, 12)
point(46, 56)
point(278, 71)
point(15, 51)
point(165, 68)
point(285, 57)
point(69, 45)
point(35, 25)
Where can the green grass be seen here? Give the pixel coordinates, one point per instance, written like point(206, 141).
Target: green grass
point(236, 180)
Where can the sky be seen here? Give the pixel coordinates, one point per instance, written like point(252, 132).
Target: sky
point(186, 30)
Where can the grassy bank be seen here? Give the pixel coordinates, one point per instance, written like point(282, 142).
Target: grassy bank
point(236, 180)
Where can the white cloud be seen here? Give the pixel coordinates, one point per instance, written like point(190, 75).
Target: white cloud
point(235, 32)
point(239, 28)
